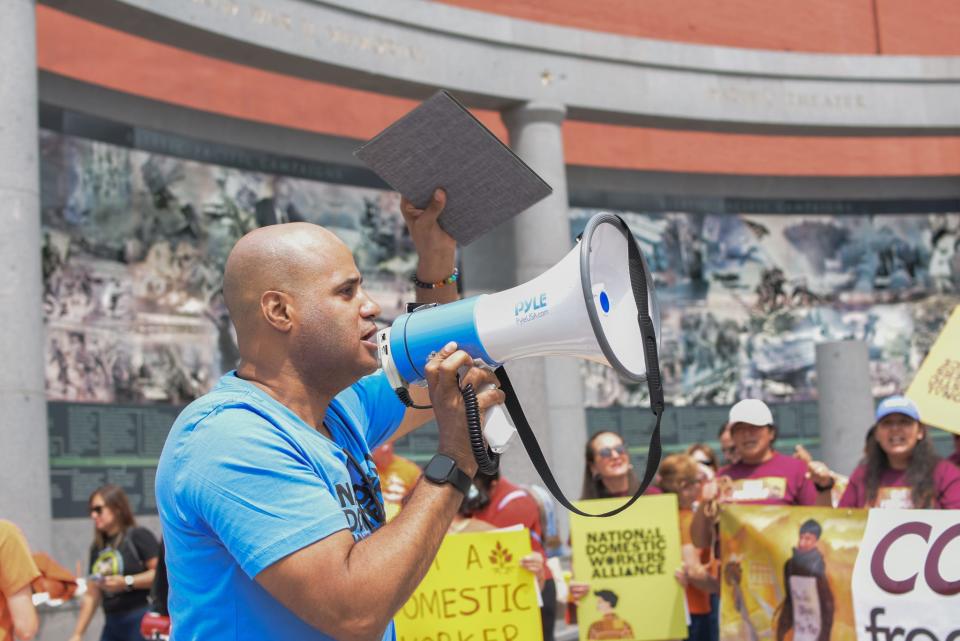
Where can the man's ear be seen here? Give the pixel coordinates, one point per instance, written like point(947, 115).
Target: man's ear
point(277, 310)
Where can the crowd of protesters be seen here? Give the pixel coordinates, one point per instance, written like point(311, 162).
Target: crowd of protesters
point(899, 469)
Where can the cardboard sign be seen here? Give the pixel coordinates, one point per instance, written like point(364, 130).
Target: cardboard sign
point(936, 387)
point(907, 579)
point(629, 561)
point(787, 570)
point(475, 591)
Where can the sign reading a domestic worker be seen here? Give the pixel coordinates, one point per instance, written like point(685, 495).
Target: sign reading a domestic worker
point(906, 583)
point(936, 387)
point(787, 572)
point(629, 561)
point(475, 591)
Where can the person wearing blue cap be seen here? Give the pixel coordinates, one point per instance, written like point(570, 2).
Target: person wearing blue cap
point(901, 469)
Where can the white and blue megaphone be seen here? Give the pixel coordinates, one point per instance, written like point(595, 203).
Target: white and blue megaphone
point(585, 306)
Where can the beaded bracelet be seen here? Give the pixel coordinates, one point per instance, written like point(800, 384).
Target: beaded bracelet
point(449, 280)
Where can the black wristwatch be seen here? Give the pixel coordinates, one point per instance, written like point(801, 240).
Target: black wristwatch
point(443, 469)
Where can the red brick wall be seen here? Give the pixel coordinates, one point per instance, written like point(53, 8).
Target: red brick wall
point(922, 27)
point(88, 52)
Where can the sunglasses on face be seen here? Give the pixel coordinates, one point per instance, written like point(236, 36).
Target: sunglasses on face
point(610, 452)
point(97, 509)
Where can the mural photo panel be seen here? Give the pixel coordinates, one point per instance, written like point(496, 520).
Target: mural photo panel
point(134, 245)
point(746, 297)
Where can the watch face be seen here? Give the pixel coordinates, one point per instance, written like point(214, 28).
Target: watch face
point(439, 468)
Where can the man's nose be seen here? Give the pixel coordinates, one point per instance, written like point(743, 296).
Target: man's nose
point(369, 308)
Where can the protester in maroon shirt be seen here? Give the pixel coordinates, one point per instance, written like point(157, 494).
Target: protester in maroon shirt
point(901, 469)
point(763, 475)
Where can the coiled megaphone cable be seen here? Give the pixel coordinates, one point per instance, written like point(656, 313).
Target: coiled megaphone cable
point(404, 395)
point(488, 461)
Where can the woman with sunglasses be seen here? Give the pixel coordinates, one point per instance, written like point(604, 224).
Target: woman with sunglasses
point(608, 471)
point(901, 469)
point(123, 558)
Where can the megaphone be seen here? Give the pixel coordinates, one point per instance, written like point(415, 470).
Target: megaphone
point(597, 304)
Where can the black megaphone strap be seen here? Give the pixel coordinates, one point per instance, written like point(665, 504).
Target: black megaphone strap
point(638, 283)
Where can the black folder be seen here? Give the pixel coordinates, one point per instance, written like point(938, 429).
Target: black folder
point(441, 144)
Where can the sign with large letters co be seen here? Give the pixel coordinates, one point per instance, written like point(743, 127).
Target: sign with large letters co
point(906, 582)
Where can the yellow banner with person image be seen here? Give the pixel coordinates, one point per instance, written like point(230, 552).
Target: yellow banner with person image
point(787, 572)
point(629, 561)
point(475, 591)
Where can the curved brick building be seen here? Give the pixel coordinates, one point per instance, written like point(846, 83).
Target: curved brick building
point(792, 171)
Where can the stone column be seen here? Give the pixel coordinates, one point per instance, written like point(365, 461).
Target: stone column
point(25, 498)
point(550, 389)
point(846, 403)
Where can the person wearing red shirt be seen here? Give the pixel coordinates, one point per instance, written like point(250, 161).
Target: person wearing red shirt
point(507, 504)
point(901, 468)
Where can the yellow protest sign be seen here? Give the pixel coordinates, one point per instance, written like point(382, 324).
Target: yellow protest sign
point(787, 572)
point(629, 561)
point(475, 591)
point(936, 387)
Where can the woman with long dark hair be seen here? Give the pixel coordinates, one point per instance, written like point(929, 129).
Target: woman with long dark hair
point(608, 471)
point(123, 558)
point(901, 469)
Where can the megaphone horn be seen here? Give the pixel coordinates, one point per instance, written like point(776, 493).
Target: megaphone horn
point(583, 307)
point(597, 304)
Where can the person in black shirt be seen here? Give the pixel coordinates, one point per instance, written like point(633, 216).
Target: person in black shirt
point(123, 558)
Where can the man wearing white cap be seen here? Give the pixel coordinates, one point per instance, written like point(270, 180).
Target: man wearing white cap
point(763, 475)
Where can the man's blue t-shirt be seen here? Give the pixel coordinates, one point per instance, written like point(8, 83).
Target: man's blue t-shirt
point(243, 482)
